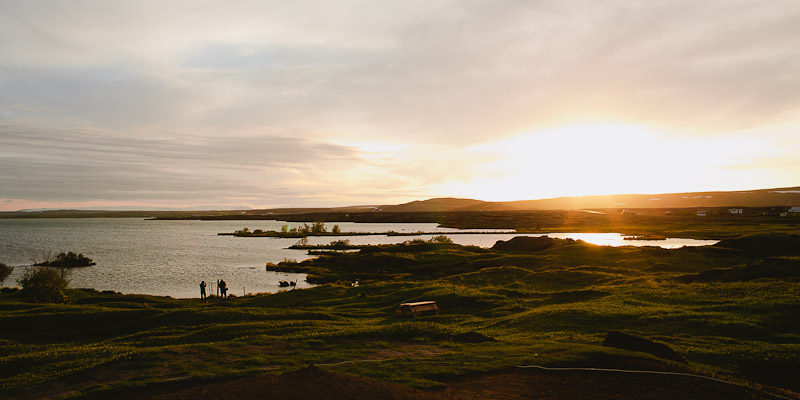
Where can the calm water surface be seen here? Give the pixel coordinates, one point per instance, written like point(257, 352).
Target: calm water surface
point(172, 257)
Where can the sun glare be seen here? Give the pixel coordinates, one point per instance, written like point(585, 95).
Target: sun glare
point(591, 159)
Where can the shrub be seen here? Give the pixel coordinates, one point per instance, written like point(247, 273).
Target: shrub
point(344, 243)
point(441, 239)
point(318, 227)
point(336, 229)
point(45, 284)
point(5, 271)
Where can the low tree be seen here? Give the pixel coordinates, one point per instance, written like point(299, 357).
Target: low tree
point(5, 271)
point(45, 284)
point(336, 229)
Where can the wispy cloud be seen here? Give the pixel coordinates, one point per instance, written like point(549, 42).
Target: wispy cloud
point(72, 165)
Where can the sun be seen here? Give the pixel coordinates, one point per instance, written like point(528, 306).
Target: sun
point(585, 159)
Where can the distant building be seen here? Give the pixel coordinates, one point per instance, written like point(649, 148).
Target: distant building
point(736, 211)
point(701, 213)
point(794, 209)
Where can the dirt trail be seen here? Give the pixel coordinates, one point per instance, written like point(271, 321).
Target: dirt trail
point(510, 384)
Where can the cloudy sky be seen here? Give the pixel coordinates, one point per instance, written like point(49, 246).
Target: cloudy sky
point(323, 103)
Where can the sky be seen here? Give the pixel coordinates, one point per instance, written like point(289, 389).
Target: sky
point(261, 104)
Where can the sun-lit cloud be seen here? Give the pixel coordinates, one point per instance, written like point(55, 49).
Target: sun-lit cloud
point(396, 100)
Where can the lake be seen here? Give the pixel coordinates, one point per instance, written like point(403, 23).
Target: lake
point(170, 258)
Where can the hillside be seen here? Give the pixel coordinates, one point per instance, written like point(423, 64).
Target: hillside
point(434, 205)
point(749, 198)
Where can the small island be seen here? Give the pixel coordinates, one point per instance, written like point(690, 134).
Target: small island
point(645, 237)
point(66, 260)
point(319, 229)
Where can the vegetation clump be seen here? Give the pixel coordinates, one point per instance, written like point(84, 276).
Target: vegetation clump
point(45, 284)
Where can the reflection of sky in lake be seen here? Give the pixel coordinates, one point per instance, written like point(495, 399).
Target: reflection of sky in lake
point(172, 257)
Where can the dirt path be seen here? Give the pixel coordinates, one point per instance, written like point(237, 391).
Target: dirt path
point(511, 384)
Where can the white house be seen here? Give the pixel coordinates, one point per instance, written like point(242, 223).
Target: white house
point(794, 209)
point(701, 213)
point(736, 211)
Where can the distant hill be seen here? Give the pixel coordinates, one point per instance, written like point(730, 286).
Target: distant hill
point(747, 198)
point(434, 205)
point(781, 197)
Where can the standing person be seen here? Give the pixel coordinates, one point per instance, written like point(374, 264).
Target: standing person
point(223, 288)
point(203, 291)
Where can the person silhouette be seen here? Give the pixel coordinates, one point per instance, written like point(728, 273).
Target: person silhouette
point(203, 290)
point(223, 288)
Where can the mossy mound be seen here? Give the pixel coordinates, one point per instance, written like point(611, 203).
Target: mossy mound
point(532, 243)
point(781, 268)
point(627, 341)
point(769, 244)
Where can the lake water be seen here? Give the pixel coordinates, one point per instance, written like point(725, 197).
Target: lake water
point(172, 257)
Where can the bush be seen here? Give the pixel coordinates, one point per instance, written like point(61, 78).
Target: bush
point(341, 244)
point(441, 239)
point(5, 271)
point(318, 227)
point(45, 284)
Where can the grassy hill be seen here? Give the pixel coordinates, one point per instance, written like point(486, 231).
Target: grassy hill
point(530, 301)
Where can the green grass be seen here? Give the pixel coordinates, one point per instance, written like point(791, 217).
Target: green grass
point(550, 307)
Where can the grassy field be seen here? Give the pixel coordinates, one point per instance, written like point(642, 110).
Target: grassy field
point(731, 311)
